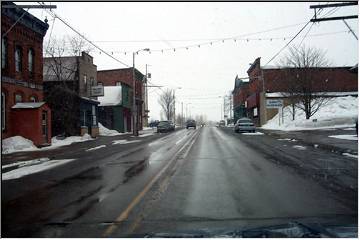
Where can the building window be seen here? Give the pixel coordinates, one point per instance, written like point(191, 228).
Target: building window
point(31, 61)
point(33, 99)
point(18, 98)
point(92, 81)
point(3, 119)
point(3, 52)
point(118, 84)
point(18, 57)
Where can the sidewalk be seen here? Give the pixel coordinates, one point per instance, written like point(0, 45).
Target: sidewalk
point(321, 139)
point(74, 148)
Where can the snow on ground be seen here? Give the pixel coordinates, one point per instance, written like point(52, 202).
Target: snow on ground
point(284, 139)
point(255, 133)
point(350, 155)
point(25, 163)
point(346, 137)
point(33, 168)
point(17, 144)
point(103, 131)
point(20, 144)
point(124, 141)
point(146, 134)
point(96, 148)
point(339, 112)
point(350, 129)
point(299, 147)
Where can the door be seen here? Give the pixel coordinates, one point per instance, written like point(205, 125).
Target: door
point(44, 125)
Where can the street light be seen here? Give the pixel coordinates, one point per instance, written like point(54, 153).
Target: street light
point(135, 110)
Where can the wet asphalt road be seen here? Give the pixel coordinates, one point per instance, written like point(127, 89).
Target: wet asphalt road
point(184, 181)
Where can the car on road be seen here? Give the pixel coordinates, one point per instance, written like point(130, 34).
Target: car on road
point(222, 123)
point(154, 124)
point(244, 125)
point(165, 126)
point(190, 124)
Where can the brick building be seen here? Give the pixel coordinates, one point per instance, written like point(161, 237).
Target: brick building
point(70, 79)
point(272, 82)
point(124, 78)
point(22, 76)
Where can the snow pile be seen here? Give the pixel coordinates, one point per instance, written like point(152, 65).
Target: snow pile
point(350, 155)
point(96, 148)
point(146, 134)
point(112, 96)
point(338, 112)
point(255, 133)
point(28, 169)
point(17, 144)
point(25, 163)
point(346, 137)
point(124, 141)
point(55, 143)
point(299, 147)
point(103, 131)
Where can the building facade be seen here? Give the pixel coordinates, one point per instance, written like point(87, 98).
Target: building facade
point(273, 83)
point(70, 79)
point(124, 78)
point(22, 76)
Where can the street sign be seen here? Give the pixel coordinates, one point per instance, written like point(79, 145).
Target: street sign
point(274, 103)
point(97, 91)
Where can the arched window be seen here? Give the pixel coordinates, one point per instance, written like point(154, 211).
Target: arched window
point(4, 48)
point(18, 57)
point(31, 61)
point(33, 99)
point(18, 97)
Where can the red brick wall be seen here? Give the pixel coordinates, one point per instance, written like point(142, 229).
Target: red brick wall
point(240, 95)
point(26, 39)
point(324, 80)
point(111, 77)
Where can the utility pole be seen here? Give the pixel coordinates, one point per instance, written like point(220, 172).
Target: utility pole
point(315, 7)
point(146, 97)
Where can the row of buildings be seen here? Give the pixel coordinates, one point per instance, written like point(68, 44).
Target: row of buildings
point(59, 95)
point(250, 94)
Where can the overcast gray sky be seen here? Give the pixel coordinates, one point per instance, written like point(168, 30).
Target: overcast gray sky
point(209, 71)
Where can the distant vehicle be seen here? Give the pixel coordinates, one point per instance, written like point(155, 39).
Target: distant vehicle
point(244, 125)
point(154, 123)
point(222, 123)
point(165, 126)
point(190, 124)
point(172, 125)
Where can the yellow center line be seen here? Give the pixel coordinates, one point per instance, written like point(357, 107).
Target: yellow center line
point(124, 215)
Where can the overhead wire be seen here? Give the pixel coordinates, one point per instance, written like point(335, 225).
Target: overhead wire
point(81, 35)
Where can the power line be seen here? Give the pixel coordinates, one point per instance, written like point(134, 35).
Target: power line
point(306, 34)
point(81, 35)
point(287, 44)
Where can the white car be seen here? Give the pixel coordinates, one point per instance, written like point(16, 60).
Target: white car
point(244, 125)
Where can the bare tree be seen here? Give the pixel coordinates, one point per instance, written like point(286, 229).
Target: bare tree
point(167, 103)
point(304, 89)
point(61, 81)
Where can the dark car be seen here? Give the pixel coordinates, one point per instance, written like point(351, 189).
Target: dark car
point(165, 126)
point(244, 125)
point(222, 123)
point(154, 123)
point(190, 124)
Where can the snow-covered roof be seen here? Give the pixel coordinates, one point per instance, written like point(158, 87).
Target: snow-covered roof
point(28, 105)
point(112, 96)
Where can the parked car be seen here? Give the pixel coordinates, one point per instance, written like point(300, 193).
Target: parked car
point(165, 126)
point(244, 125)
point(190, 124)
point(222, 123)
point(154, 123)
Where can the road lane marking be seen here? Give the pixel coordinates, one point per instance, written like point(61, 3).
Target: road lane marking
point(124, 215)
